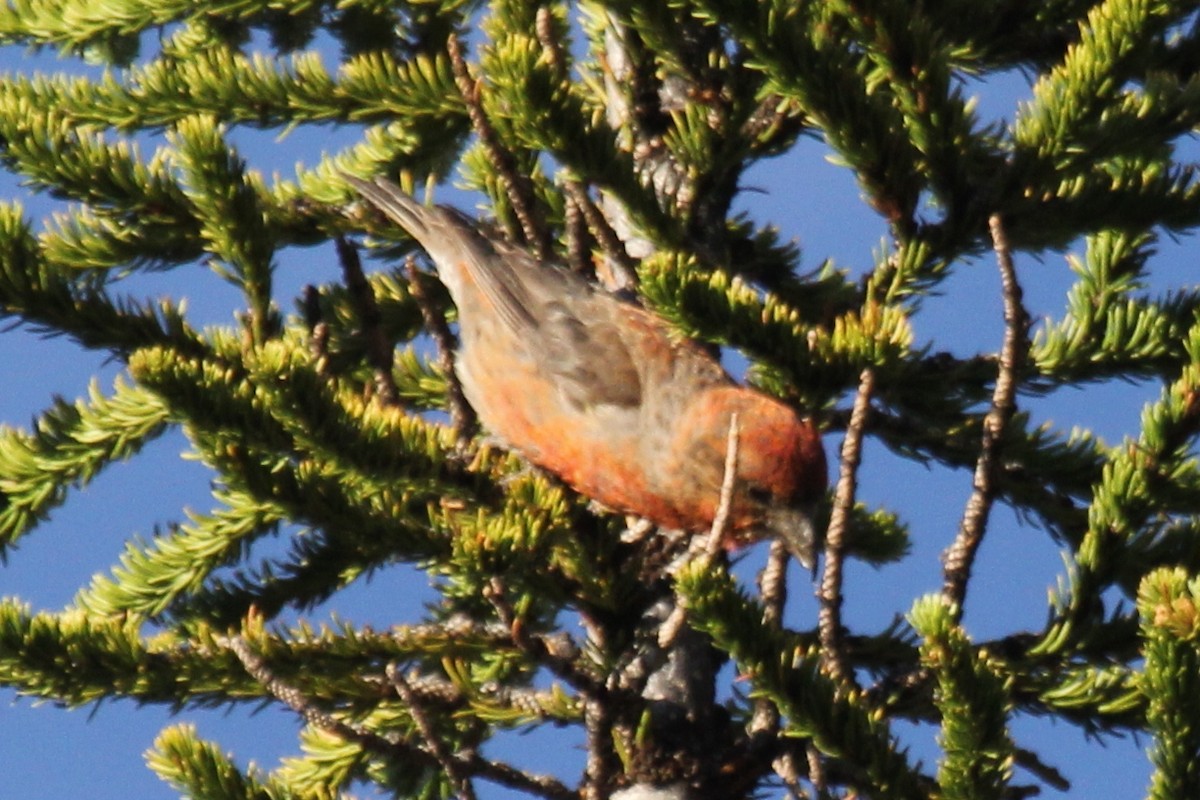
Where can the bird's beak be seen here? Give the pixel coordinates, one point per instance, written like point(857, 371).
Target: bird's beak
point(794, 527)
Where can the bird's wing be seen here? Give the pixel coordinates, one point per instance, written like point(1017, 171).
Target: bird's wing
point(576, 333)
point(458, 248)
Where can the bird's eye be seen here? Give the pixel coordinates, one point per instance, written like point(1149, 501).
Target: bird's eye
point(759, 494)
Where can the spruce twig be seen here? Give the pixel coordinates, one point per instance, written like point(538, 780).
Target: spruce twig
point(389, 746)
point(559, 655)
point(772, 587)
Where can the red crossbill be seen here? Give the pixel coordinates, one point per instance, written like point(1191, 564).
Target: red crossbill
point(598, 390)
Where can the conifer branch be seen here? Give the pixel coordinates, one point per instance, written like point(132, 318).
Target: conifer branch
point(960, 556)
point(575, 230)
point(772, 582)
point(1047, 773)
point(496, 700)
point(552, 48)
point(829, 618)
point(199, 768)
point(764, 722)
point(772, 119)
point(293, 698)
point(513, 778)
point(1167, 602)
point(602, 762)
point(455, 628)
point(816, 769)
point(626, 151)
point(71, 443)
point(389, 746)
point(813, 703)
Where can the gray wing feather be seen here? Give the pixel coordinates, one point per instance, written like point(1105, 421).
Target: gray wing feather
point(590, 359)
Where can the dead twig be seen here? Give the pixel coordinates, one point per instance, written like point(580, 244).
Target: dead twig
point(380, 351)
point(433, 743)
point(829, 594)
point(959, 557)
point(463, 419)
point(619, 267)
point(712, 542)
point(516, 185)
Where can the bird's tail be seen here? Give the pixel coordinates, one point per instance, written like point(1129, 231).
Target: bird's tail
point(389, 198)
point(451, 240)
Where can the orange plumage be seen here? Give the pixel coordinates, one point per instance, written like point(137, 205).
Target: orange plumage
point(598, 391)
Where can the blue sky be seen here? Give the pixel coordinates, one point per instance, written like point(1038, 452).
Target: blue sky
point(49, 752)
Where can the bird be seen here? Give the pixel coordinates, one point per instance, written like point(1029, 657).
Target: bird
point(602, 393)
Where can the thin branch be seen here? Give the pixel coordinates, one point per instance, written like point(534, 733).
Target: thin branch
point(380, 351)
point(463, 420)
point(602, 765)
point(560, 655)
point(576, 230)
point(1048, 774)
point(772, 116)
point(772, 586)
point(728, 483)
point(318, 329)
point(390, 746)
point(637, 529)
point(816, 770)
point(434, 690)
point(959, 557)
point(456, 627)
point(618, 263)
point(784, 767)
point(433, 743)
point(638, 102)
point(712, 543)
point(552, 48)
point(437, 691)
point(772, 583)
point(764, 723)
point(829, 594)
point(513, 778)
point(516, 185)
